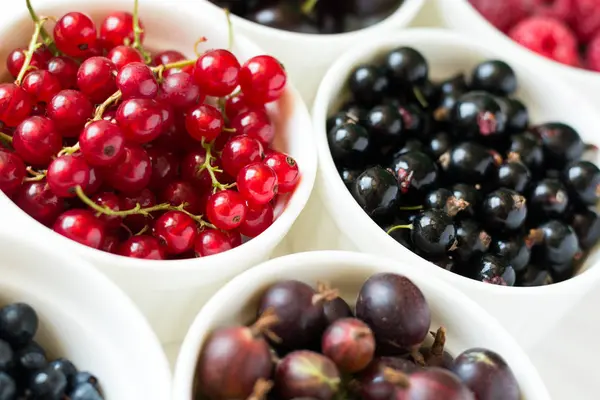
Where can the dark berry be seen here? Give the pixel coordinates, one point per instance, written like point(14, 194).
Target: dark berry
point(478, 115)
point(529, 150)
point(494, 76)
point(561, 272)
point(8, 387)
point(514, 249)
point(472, 241)
point(433, 232)
point(349, 175)
point(31, 357)
point(48, 383)
point(559, 244)
point(84, 377)
point(406, 66)
point(341, 118)
point(350, 344)
point(385, 125)
point(336, 309)
point(504, 209)
point(517, 116)
point(470, 162)
point(562, 144)
point(515, 175)
point(454, 84)
point(439, 144)
point(534, 276)
point(18, 323)
point(416, 174)
point(583, 179)
point(586, 224)
point(494, 270)
point(416, 122)
point(409, 146)
point(376, 191)
point(85, 391)
point(349, 144)
point(66, 367)
point(368, 85)
point(7, 361)
point(470, 194)
point(306, 374)
point(548, 199)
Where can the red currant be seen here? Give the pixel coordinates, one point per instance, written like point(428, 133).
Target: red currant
point(38, 110)
point(262, 79)
point(12, 171)
point(117, 29)
point(95, 180)
point(143, 246)
point(136, 80)
point(15, 104)
point(236, 105)
point(211, 241)
point(180, 91)
point(75, 34)
point(235, 238)
point(192, 169)
point(37, 140)
point(169, 57)
point(133, 172)
point(286, 169)
point(16, 59)
point(145, 199)
point(165, 167)
point(257, 183)
point(111, 201)
point(102, 143)
point(226, 209)
point(140, 119)
point(204, 122)
point(81, 226)
point(216, 72)
point(96, 78)
point(41, 85)
point(240, 151)
point(124, 55)
point(177, 193)
point(39, 202)
point(65, 69)
point(111, 244)
point(176, 231)
point(256, 124)
point(65, 173)
point(70, 110)
point(258, 219)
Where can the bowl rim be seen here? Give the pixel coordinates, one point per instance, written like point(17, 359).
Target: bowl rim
point(186, 362)
point(294, 205)
point(328, 171)
point(403, 15)
point(472, 13)
point(82, 271)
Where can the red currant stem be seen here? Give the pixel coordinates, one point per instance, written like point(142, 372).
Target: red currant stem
point(230, 130)
point(142, 231)
point(122, 213)
point(115, 97)
point(6, 137)
point(308, 6)
point(395, 228)
point(126, 228)
point(411, 208)
point(197, 218)
point(211, 170)
point(33, 46)
point(199, 41)
point(45, 35)
point(36, 176)
point(230, 37)
point(137, 34)
point(261, 389)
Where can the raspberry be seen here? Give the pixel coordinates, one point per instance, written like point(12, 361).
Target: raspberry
point(549, 37)
point(592, 54)
point(503, 14)
point(586, 19)
point(560, 9)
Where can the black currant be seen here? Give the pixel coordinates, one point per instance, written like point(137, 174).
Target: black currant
point(494, 270)
point(529, 150)
point(439, 144)
point(478, 115)
point(470, 194)
point(562, 144)
point(349, 175)
point(416, 122)
point(494, 76)
point(385, 125)
point(376, 191)
point(583, 180)
point(504, 209)
point(514, 249)
point(513, 174)
point(548, 198)
point(433, 232)
point(517, 116)
point(535, 276)
point(443, 199)
point(410, 146)
point(586, 224)
point(349, 144)
point(406, 67)
point(416, 174)
point(342, 117)
point(470, 162)
point(455, 84)
point(559, 244)
point(368, 84)
point(472, 240)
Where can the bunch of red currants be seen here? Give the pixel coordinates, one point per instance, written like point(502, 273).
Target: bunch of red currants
point(151, 156)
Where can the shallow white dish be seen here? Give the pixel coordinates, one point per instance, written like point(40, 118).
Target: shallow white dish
point(528, 313)
point(170, 292)
point(468, 325)
point(84, 317)
point(307, 56)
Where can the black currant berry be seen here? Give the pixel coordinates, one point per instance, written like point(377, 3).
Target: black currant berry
point(517, 116)
point(515, 175)
point(368, 84)
point(534, 276)
point(433, 232)
point(514, 249)
point(478, 115)
point(454, 84)
point(443, 199)
point(586, 224)
point(406, 66)
point(470, 162)
point(470, 194)
point(385, 125)
point(504, 209)
point(529, 150)
point(494, 270)
point(562, 144)
point(583, 179)
point(472, 240)
point(439, 144)
point(349, 175)
point(416, 122)
point(341, 118)
point(494, 76)
point(410, 146)
point(376, 191)
point(559, 244)
point(561, 272)
point(416, 174)
point(349, 144)
point(548, 199)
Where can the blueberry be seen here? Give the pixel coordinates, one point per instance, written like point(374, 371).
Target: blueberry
point(85, 391)
point(494, 76)
point(18, 323)
point(48, 384)
point(8, 387)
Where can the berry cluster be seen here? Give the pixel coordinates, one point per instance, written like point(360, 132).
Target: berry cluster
point(567, 31)
point(125, 151)
point(313, 16)
point(25, 371)
point(455, 172)
point(377, 352)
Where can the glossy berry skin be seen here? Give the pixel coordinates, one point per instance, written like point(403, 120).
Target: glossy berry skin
point(433, 232)
point(217, 72)
point(262, 79)
point(478, 115)
point(145, 198)
point(373, 385)
point(36, 140)
point(110, 201)
point(469, 194)
point(514, 175)
point(257, 220)
point(254, 123)
point(96, 78)
point(395, 309)
point(144, 247)
point(70, 111)
point(350, 344)
point(514, 249)
point(548, 199)
point(136, 80)
point(434, 384)
point(306, 374)
point(75, 34)
point(494, 76)
point(41, 85)
point(165, 167)
point(180, 91)
point(286, 169)
point(65, 70)
point(416, 174)
point(517, 116)
point(560, 245)
point(583, 179)
point(96, 178)
point(12, 171)
point(39, 202)
point(439, 144)
point(368, 84)
point(494, 270)
point(257, 183)
point(504, 209)
point(81, 226)
point(48, 383)
point(18, 324)
point(121, 56)
point(376, 191)
point(472, 241)
point(385, 125)
point(102, 143)
point(176, 232)
point(16, 60)
point(171, 56)
point(470, 162)
point(117, 28)
point(177, 193)
point(210, 242)
point(349, 143)
point(562, 144)
point(8, 385)
point(486, 374)
point(192, 171)
point(406, 65)
point(140, 119)
point(586, 224)
point(240, 151)
point(226, 209)
point(133, 172)
point(237, 105)
point(529, 150)
point(15, 104)
point(65, 173)
point(204, 122)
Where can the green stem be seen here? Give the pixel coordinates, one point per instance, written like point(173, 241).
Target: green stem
point(211, 170)
point(230, 37)
point(411, 208)
point(308, 6)
point(6, 137)
point(420, 97)
point(45, 35)
point(137, 34)
point(397, 227)
point(33, 46)
point(116, 96)
point(36, 176)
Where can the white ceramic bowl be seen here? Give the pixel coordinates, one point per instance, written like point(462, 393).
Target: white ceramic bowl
point(170, 292)
point(461, 16)
point(84, 317)
point(528, 313)
point(308, 56)
point(468, 325)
